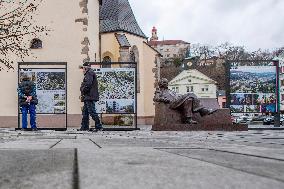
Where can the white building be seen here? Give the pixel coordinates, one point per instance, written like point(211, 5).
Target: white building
point(195, 82)
point(169, 49)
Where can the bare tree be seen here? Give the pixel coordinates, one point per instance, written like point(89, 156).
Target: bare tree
point(228, 51)
point(202, 52)
point(211, 60)
point(17, 23)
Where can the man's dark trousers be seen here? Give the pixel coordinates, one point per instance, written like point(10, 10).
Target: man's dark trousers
point(89, 109)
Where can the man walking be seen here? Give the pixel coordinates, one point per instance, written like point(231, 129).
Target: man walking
point(27, 102)
point(89, 95)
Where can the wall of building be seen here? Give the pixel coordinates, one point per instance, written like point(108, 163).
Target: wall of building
point(194, 81)
point(109, 46)
point(222, 101)
point(93, 30)
point(199, 89)
point(62, 44)
point(173, 51)
point(149, 62)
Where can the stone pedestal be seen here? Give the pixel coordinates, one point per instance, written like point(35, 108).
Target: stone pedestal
point(167, 119)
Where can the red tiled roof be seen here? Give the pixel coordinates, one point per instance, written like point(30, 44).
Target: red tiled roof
point(167, 42)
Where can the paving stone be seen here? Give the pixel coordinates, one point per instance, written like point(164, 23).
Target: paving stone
point(130, 159)
point(262, 166)
point(136, 168)
point(33, 169)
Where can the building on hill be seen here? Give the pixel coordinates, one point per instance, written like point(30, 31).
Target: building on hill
point(169, 49)
point(193, 81)
point(154, 34)
point(84, 31)
point(215, 68)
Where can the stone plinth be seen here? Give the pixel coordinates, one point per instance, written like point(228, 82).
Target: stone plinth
point(167, 119)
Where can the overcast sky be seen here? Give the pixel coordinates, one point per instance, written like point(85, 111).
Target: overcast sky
point(252, 23)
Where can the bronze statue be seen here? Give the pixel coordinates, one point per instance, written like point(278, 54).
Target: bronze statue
point(187, 103)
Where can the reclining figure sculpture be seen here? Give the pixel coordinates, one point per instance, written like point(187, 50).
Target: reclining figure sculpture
point(187, 104)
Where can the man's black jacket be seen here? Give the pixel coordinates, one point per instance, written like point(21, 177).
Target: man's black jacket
point(89, 87)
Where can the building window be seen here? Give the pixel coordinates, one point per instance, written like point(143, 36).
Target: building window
point(175, 89)
point(189, 89)
point(282, 82)
point(36, 44)
point(106, 62)
point(223, 104)
point(206, 88)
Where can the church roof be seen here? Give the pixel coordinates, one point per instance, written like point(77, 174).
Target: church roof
point(117, 15)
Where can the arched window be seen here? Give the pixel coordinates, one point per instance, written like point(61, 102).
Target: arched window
point(36, 44)
point(106, 62)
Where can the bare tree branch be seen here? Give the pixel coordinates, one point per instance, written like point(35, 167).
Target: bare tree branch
point(16, 24)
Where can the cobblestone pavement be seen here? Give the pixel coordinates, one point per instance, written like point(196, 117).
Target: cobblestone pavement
point(141, 159)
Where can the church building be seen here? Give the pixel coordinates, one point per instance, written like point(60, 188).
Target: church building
point(83, 31)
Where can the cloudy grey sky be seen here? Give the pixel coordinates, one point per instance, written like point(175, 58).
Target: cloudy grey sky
point(252, 23)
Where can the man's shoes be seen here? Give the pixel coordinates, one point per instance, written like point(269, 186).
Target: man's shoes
point(34, 129)
point(81, 129)
point(98, 129)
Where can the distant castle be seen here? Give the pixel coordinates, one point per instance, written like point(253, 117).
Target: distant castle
point(170, 49)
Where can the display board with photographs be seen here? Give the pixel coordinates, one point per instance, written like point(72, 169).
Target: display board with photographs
point(253, 88)
point(281, 82)
point(50, 89)
point(117, 90)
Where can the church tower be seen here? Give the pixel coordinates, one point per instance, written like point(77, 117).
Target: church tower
point(154, 34)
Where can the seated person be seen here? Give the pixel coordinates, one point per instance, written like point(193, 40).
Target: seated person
point(187, 103)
